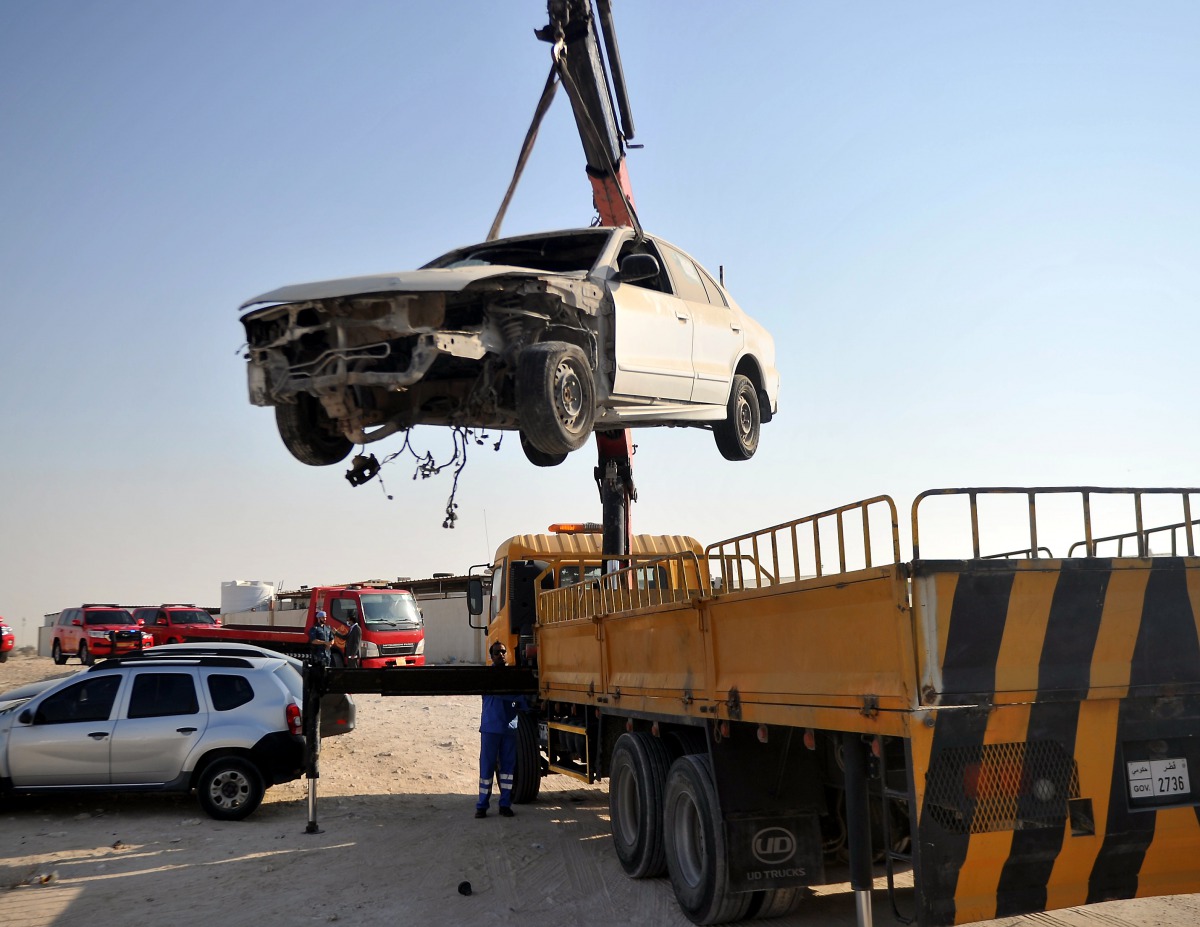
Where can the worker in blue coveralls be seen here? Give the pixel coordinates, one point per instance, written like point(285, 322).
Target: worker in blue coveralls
point(498, 743)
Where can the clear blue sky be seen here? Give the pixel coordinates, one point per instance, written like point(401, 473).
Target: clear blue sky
point(972, 228)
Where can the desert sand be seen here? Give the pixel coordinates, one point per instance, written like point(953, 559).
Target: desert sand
point(398, 837)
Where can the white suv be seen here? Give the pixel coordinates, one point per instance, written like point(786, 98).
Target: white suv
point(228, 727)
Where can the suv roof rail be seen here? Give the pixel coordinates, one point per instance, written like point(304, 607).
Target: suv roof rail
point(101, 605)
point(177, 659)
point(176, 605)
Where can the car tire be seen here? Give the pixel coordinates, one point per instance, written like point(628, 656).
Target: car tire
point(556, 397)
point(737, 436)
point(230, 788)
point(538, 458)
point(3, 656)
point(310, 434)
point(527, 777)
point(56, 653)
point(85, 655)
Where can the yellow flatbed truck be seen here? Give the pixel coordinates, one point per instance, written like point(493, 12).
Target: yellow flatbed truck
point(1021, 730)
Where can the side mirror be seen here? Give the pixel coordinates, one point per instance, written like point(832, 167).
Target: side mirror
point(26, 717)
point(475, 595)
point(77, 622)
point(141, 622)
point(638, 267)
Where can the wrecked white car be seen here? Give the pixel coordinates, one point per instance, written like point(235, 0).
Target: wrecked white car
point(554, 335)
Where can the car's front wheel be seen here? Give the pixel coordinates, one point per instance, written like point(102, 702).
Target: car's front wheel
point(737, 436)
point(230, 788)
point(310, 434)
point(85, 655)
point(556, 397)
point(56, 653)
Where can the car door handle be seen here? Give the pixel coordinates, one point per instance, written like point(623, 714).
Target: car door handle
point(98, 735)
point(682, 316)
point(186, 730)
point(734, 327)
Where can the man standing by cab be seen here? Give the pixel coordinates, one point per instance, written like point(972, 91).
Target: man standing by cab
point(498, 743)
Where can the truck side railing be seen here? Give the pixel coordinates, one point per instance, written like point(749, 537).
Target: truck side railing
point(644, 582)
point(1140, 534)
point(760, 558)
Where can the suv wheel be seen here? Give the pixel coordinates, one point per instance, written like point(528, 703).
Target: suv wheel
point(85, 655)
point(229, 788)
point(57, 654)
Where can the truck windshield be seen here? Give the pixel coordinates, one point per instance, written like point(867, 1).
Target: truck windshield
point(390, 611)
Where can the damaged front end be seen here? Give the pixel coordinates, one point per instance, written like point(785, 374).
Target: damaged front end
point(352, 368)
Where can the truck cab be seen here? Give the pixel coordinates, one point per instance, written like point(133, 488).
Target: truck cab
point(393, 629)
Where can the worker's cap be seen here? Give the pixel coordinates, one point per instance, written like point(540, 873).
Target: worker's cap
point(321, 614)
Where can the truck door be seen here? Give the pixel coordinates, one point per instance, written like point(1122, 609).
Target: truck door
point(157, 728)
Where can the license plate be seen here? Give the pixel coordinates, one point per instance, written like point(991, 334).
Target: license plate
point(1158, 778)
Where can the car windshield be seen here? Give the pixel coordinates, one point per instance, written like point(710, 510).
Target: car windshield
point(574, 251)
point(394, 610)
point(192, 616)
point(107, 616)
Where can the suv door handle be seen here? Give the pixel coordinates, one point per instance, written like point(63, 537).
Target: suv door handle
point(186, 730)
point(98, 735)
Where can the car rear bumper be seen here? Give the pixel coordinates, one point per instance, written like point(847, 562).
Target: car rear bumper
point(280, 756)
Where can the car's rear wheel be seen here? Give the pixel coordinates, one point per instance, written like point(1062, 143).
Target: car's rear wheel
point(556, 397)
point(56, 653)
point(310, 434)
point(737, 436)
point(230, 788)
point(538, 458)
point(85, 655)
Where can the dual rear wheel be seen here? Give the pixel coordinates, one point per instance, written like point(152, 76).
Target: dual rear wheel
point(665, 817)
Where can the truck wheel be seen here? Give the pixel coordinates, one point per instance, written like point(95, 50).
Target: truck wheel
point(310, 434)
point(85, 655)
point(737, 436)
point(538, 458)
point(637, 779)
point(695, 845)
point(229, 788)
point(527, 778)
point(776, 902)
point(556, 397)
point(56, 653)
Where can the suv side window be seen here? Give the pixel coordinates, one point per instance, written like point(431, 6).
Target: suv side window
point(229, 692)
point(89, 700)
point(156, 695)
point(67, 615)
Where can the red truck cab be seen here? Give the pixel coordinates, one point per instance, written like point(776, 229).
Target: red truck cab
point(393, 630)
point(172, 624)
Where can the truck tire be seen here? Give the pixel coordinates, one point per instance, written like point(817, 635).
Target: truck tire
point(85, 655)
point(527, 778)
point(310, 434)
point(229, 788)
point(695, 845)
point(56, 653)
point(776, 902)
point(636, 783)
point(556, 397)
point(737, 435)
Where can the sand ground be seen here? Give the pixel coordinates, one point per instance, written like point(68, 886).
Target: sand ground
point(398, 836)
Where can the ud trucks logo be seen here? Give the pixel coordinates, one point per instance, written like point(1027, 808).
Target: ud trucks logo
point(773, 846)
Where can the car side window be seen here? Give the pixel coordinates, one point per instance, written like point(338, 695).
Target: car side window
point(686, 277)
point(228, 691)
point(89, 700)
point(715, 296)
point(157, 695)
point(661, 283)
